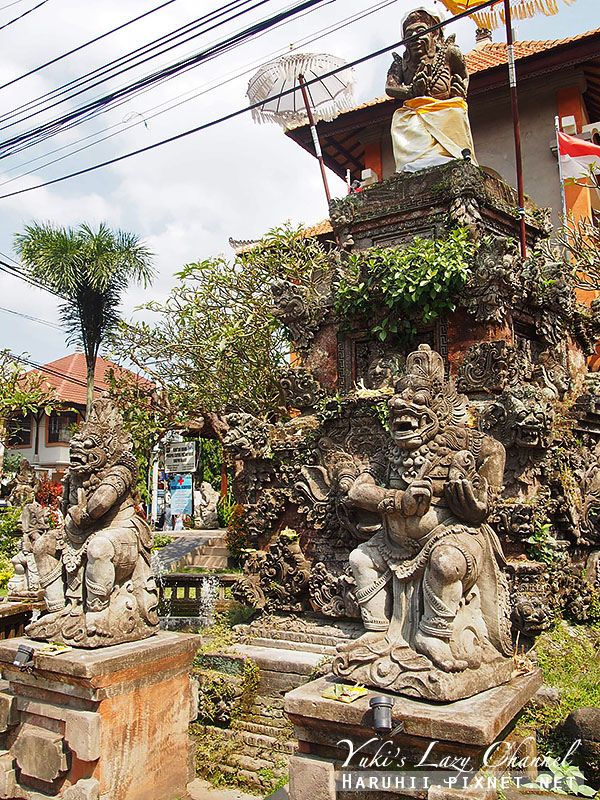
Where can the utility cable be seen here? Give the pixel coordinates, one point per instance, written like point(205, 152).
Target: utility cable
point(24, 14)
point(81, 46)
point(102, 103)
point(33, 319)
point(121, 61)
point(217, 83)
point(239, 112)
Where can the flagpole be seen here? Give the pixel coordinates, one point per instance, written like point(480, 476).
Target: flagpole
point(315, 136)
point(512, 81)
point(560, 171)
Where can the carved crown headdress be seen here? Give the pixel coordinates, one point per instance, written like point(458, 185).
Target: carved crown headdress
point(425, 368)
point(105, 424)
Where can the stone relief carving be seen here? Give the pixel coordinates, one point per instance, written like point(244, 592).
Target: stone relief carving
point(333, 595)
point(276, 579)
point(25, 583)
point(95, 568)
point(490, 291)
point(300, 312)
point(247, 437)
point(430, 585)
point(491, 367)
point(300, 388)
point(522, 418)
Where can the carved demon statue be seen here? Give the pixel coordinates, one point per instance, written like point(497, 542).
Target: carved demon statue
point(95, 568)
point(430, 586)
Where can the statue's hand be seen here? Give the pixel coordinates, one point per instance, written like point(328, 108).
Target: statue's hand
point(417, 498)
point(388, 503)
point(467, 501)
point(79, 513)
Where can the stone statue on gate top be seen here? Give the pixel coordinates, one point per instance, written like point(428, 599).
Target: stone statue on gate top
point(430, 586)
point(432, 127)
point(95, 568)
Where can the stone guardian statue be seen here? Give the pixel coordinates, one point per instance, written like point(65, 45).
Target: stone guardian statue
point(430, 586)
point(95, 569)
point(431, 78)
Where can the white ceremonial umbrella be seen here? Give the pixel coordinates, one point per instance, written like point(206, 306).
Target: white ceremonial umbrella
point(305, 102)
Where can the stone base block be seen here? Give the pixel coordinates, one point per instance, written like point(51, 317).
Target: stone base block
point(105, 724)
point(470, 737)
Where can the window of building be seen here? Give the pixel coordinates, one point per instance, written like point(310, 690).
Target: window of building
point(19, 431)
point(60, 426)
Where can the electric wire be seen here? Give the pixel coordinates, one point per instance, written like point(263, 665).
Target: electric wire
point(54, 372)
point(115, 64)
point(101, 103)
point(83, 113)
point(239, 112)
point(81, 46)
point(216, 83)
point(33, 319)
point(24, 14)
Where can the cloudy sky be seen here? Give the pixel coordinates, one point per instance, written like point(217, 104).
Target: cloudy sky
point(187, 198)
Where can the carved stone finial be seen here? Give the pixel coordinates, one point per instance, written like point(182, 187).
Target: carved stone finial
point(95, 568)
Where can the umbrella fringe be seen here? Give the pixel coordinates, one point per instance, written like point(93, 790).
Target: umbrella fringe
point(521, 9)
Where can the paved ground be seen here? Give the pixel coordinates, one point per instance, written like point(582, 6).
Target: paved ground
point(202, 790)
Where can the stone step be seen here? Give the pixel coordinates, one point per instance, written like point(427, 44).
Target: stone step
point(259, 728)
point(284, 644)
point(210, 562)
point(330, 637)
point(213, 550)
point(276, 659)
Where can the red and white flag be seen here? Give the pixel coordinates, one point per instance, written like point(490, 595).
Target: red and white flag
point(576, 156)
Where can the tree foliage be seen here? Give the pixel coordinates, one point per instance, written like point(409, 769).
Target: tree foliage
point(90, 270)
point(21, 393)
point(389, 289)
point(215, 344)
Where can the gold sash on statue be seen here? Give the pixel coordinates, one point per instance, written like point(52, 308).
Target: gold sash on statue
point(428, 132)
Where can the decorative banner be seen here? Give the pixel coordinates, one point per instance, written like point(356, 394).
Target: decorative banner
point(180, 457)
point(181, 494)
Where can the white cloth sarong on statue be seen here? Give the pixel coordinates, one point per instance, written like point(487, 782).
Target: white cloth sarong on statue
point(428, 132)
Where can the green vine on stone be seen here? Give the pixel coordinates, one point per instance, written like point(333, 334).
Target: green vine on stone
point(408, 284)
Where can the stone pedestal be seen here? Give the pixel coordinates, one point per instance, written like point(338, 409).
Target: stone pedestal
point(434, 740)
point(105, 724)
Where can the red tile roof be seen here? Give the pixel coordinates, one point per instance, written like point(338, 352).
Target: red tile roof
point(494, 54)
point(69, 377)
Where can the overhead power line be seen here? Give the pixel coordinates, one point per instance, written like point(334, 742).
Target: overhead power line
point(32, 319)
point(81, 46)
point(103, 74)
point(239, 112)
point(216, 83)
point(84, 112)
point(54, 372)
point(24, 14)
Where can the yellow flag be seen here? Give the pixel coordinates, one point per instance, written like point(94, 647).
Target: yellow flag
point(494, 17)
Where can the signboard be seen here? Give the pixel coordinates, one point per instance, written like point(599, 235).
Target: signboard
point(180, 457)
point(181, 494)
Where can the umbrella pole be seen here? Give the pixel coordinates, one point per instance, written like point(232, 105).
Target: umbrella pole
point(512, 80)
point(315, 136)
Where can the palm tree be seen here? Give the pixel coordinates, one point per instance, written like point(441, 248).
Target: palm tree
point(90, 270)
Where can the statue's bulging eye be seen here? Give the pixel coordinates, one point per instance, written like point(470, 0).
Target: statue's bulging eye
point(89, 443)
point(421, 398)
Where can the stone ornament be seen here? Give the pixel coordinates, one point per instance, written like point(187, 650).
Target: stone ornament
point(276, 579)
point(26, 485)
point(25, 583)
point(95, 568)
point(491, 367)
point(301, 390)
point(430, 583)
